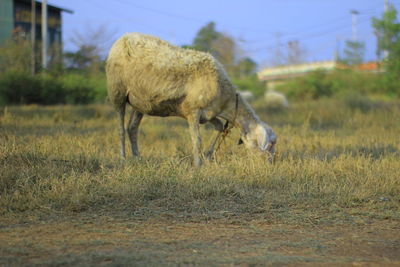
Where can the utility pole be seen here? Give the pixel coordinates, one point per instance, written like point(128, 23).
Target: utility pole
point(354, 14)
point(33, 36)
point(336, 54)
point(278, 56)
point(386, 9)
point(44, 34)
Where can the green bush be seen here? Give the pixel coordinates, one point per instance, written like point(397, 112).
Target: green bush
point(357, 101)
point(311, 86)
point(250, 83)
point(15, 56)
point(50, 90)
point(77, 89)
point(320, 84)
point(19, 88)
point(22, 88)
point(99, 84)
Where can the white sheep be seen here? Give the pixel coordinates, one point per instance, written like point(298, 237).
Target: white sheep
point(159, 79)
point(247, 95)
point(275, 99)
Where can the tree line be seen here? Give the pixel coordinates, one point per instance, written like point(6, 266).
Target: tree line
point(80, 76)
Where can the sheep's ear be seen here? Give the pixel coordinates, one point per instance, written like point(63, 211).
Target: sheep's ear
point(261, 134)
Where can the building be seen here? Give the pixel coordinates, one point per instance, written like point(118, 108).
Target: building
point(15, 21)
point(276, 75)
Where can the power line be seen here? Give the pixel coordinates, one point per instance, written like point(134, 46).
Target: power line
point(310, 28)
point(314, 31)
point(160, 12)
point(307, 37)
point(343, 20)
point(177, 16)
point(122, 17)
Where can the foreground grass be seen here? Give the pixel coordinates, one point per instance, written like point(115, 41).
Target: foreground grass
point(336, 164)
point(329, 156)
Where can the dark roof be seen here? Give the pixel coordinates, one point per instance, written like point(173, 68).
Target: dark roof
point(49, 6)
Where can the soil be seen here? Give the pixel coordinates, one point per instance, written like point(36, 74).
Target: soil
point(118, 241)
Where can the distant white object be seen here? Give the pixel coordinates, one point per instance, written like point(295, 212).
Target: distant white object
point(247, 95)
point(275, 99)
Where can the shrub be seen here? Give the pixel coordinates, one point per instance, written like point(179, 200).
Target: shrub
point(77, 88)
point(50, 90)
point(357, 101)
point(19, 88)
point(320, 84)
point(15, 56)
point(250, 83)
point(311, 86)
point(99, 84)
point(22, 88)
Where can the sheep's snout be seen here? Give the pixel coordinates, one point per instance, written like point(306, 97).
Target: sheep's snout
point(272, 142)
point(262, 139)
point(271, 152)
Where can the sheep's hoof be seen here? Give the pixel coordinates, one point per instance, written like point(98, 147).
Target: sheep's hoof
point(209, 155)
point(197, 162)
point(271, 158)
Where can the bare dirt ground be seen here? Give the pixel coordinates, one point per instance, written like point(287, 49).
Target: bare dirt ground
point(125, 241)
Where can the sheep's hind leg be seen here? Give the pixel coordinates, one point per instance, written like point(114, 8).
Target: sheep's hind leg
point(219, 126)
point(194, 123)
point(133, 128)
point(121, 113)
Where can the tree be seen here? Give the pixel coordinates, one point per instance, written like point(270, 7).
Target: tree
point(92, 43)
point(220, 45)
point(245, 67)
point(387, 30)
point(82, 59)
point(353, 53)
point(291, 54)
point(296, 54)
point(223, 48)
point(205, 37)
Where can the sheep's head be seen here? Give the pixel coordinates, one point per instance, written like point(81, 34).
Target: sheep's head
point(261, 138)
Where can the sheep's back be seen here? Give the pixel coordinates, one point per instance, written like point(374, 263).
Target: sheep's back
point(154, 71)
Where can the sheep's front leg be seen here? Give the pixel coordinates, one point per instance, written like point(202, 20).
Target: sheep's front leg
point(133, 128)
point(219, 127)
point(194, 129)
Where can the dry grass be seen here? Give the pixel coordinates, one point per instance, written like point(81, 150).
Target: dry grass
point(335, 165)
point(66, 158)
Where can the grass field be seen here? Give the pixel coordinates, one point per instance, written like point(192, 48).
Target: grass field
point(331, 197)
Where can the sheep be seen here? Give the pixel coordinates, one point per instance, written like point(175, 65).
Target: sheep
point(275, 99)
point(159, 79)
point(247, 95)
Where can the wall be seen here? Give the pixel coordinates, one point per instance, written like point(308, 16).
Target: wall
point(6, 20)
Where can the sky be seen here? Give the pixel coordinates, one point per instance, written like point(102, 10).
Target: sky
point(259, 27)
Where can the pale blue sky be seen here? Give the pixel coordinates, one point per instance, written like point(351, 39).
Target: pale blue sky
point(255, 24)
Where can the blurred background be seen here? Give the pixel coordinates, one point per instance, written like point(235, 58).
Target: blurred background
point(302, 49)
